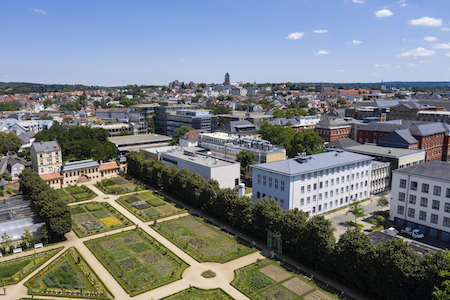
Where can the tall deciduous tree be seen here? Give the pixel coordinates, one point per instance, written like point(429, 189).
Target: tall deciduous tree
point(356, 208)
point(6, 240)
point(382, 202)
point(27, 237)
point(245, 157)
point(179, 132)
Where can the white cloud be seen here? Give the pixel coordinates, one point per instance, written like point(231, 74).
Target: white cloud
point(441, 46)
point(383, 13)
point(355, 42)
point(295, 36)
point(181, 59)
point(418, 52)
point(339, 71)
point(5, 76)
point(382, 65)
point(402, 3)
point(411, 65)
point(358, 1)
point(426, 21)
point(447, 54)
point(430, 39)
point(321, 31)
point(445, 29)
point(322, 52)
point(41, 11)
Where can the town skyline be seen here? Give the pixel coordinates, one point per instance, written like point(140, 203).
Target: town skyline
point(296, 41)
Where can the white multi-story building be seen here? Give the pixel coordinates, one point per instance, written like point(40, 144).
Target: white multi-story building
point(314, 184)
point(421, 198)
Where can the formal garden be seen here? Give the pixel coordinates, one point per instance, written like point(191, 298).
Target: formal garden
point(68, 276)
point(200, 294)
point(268, 279)
point(149, 206)
point(96, 217)
point(76, 193)
point(119, 185)
point(137, 261)
point(202, 241)
point(14, 270)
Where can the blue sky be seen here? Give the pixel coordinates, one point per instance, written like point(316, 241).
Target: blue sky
point(114, 43)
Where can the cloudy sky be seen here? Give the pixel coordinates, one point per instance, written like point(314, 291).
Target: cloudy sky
point(115, 42)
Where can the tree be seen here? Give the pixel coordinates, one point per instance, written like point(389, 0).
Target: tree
point(6, 240)
point(312, 111)
point(179, 132)
point(357, 209)
point(245, 157)
point(9, 142)
point(341, 101)
point(27, 237)
point(382, 202)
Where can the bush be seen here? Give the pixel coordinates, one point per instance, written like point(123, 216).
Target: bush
point(209, 274)
point(354, 224)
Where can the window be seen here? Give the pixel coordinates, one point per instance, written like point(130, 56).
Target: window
point(446, 222)
point(411, 212)
point(348, 177)
point(302, 189)
point(308, 200)
point(332, 182)
point(320, 197)
point(259, 178)
point(401, 197)
point(342, 179)
point(314, 198)
point(447, 207)
point(337, 192)
point(264, 180)
point(270, 181)
point(325, 206)
point(423, 202)
point(336, 202)
point(276, 184)
point(342, 190)
point(326, 195)
point(434, 219)
point(320, 185)
point(412, 199)
point(308, 188)
point(447, 193)
point(435, 205)
point(437, 190)
point(258, 195)
point(353, 176)
point(422, 216)
point(425, 188)
point(282, 202)
point(315, 186)
point(302, 202)
point(326, 183)
point(337, 180)
point(282, 185)
point(413, 186)
point(403, 183)
point(400, 210)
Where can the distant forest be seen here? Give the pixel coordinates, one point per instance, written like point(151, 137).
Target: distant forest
point(10, 88)
point(416, 85)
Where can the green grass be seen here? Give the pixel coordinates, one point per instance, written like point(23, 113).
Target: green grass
point(202, 241)
point(76, 193)
point(66, 273)
point(14, 270)
point(199, 294)
point(140, 263)
point(118, 185)
point(250, 281)
point(82, 213)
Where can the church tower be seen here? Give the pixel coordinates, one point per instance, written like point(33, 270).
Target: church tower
point(227, 79)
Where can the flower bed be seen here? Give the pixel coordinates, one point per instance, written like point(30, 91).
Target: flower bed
point(118, 185)
point(96, 217)
point(202, 241)
point(139, 263)
point(76, 193)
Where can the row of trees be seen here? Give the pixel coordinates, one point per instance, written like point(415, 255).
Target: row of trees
point(390, 270)
point(293, 141)
point(80, 142)
point(53, 210)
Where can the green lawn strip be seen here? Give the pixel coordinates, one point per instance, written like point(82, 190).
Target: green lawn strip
point(203, 242)
point(250, 281)
point(68, 276)
point(197, 293)
point(152, 213)
point(94, 212)
point(137, 261)
point(119, 185)
point(14, 270)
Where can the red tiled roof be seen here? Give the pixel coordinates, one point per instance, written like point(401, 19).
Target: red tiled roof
point(108, 166)
point(51, 176)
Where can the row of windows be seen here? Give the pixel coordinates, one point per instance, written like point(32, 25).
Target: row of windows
point(281, 202)
point(264, 182)
point(425, 188)
point(435, 204)
point(352, 187)
point(337, 170)
point(423, 216)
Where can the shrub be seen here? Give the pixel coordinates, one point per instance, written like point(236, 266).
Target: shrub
point(354, 224)
point(209, 274)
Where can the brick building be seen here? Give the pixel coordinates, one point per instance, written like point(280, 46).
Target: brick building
point(332, 127)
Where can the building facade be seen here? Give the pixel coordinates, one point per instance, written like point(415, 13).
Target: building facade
point(381, 177)
point(197, 119)
point(163, 110)
point(421, 198)
point(46, 157)
point(314, 184)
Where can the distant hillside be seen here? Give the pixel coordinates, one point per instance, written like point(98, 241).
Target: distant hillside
point(426, 85)
point(28, 87)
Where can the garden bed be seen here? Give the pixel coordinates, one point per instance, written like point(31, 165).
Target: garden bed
point(137, 261)
point(196, 293)
point(148, 206)
point(204, 242)
point(119, 185)
point(68, 276)
point(96, 217)
point(268, 279)
point(14, 270)
point(76, 193)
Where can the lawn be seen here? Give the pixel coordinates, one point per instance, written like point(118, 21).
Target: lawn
point(68, 276)
point(137, 261)
point(76, 193)
point(204, 242)
point(196, 293)
point(96, 217)
point(119, 185)
point(149, 206)
point(268, 279)
point(14, 270)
